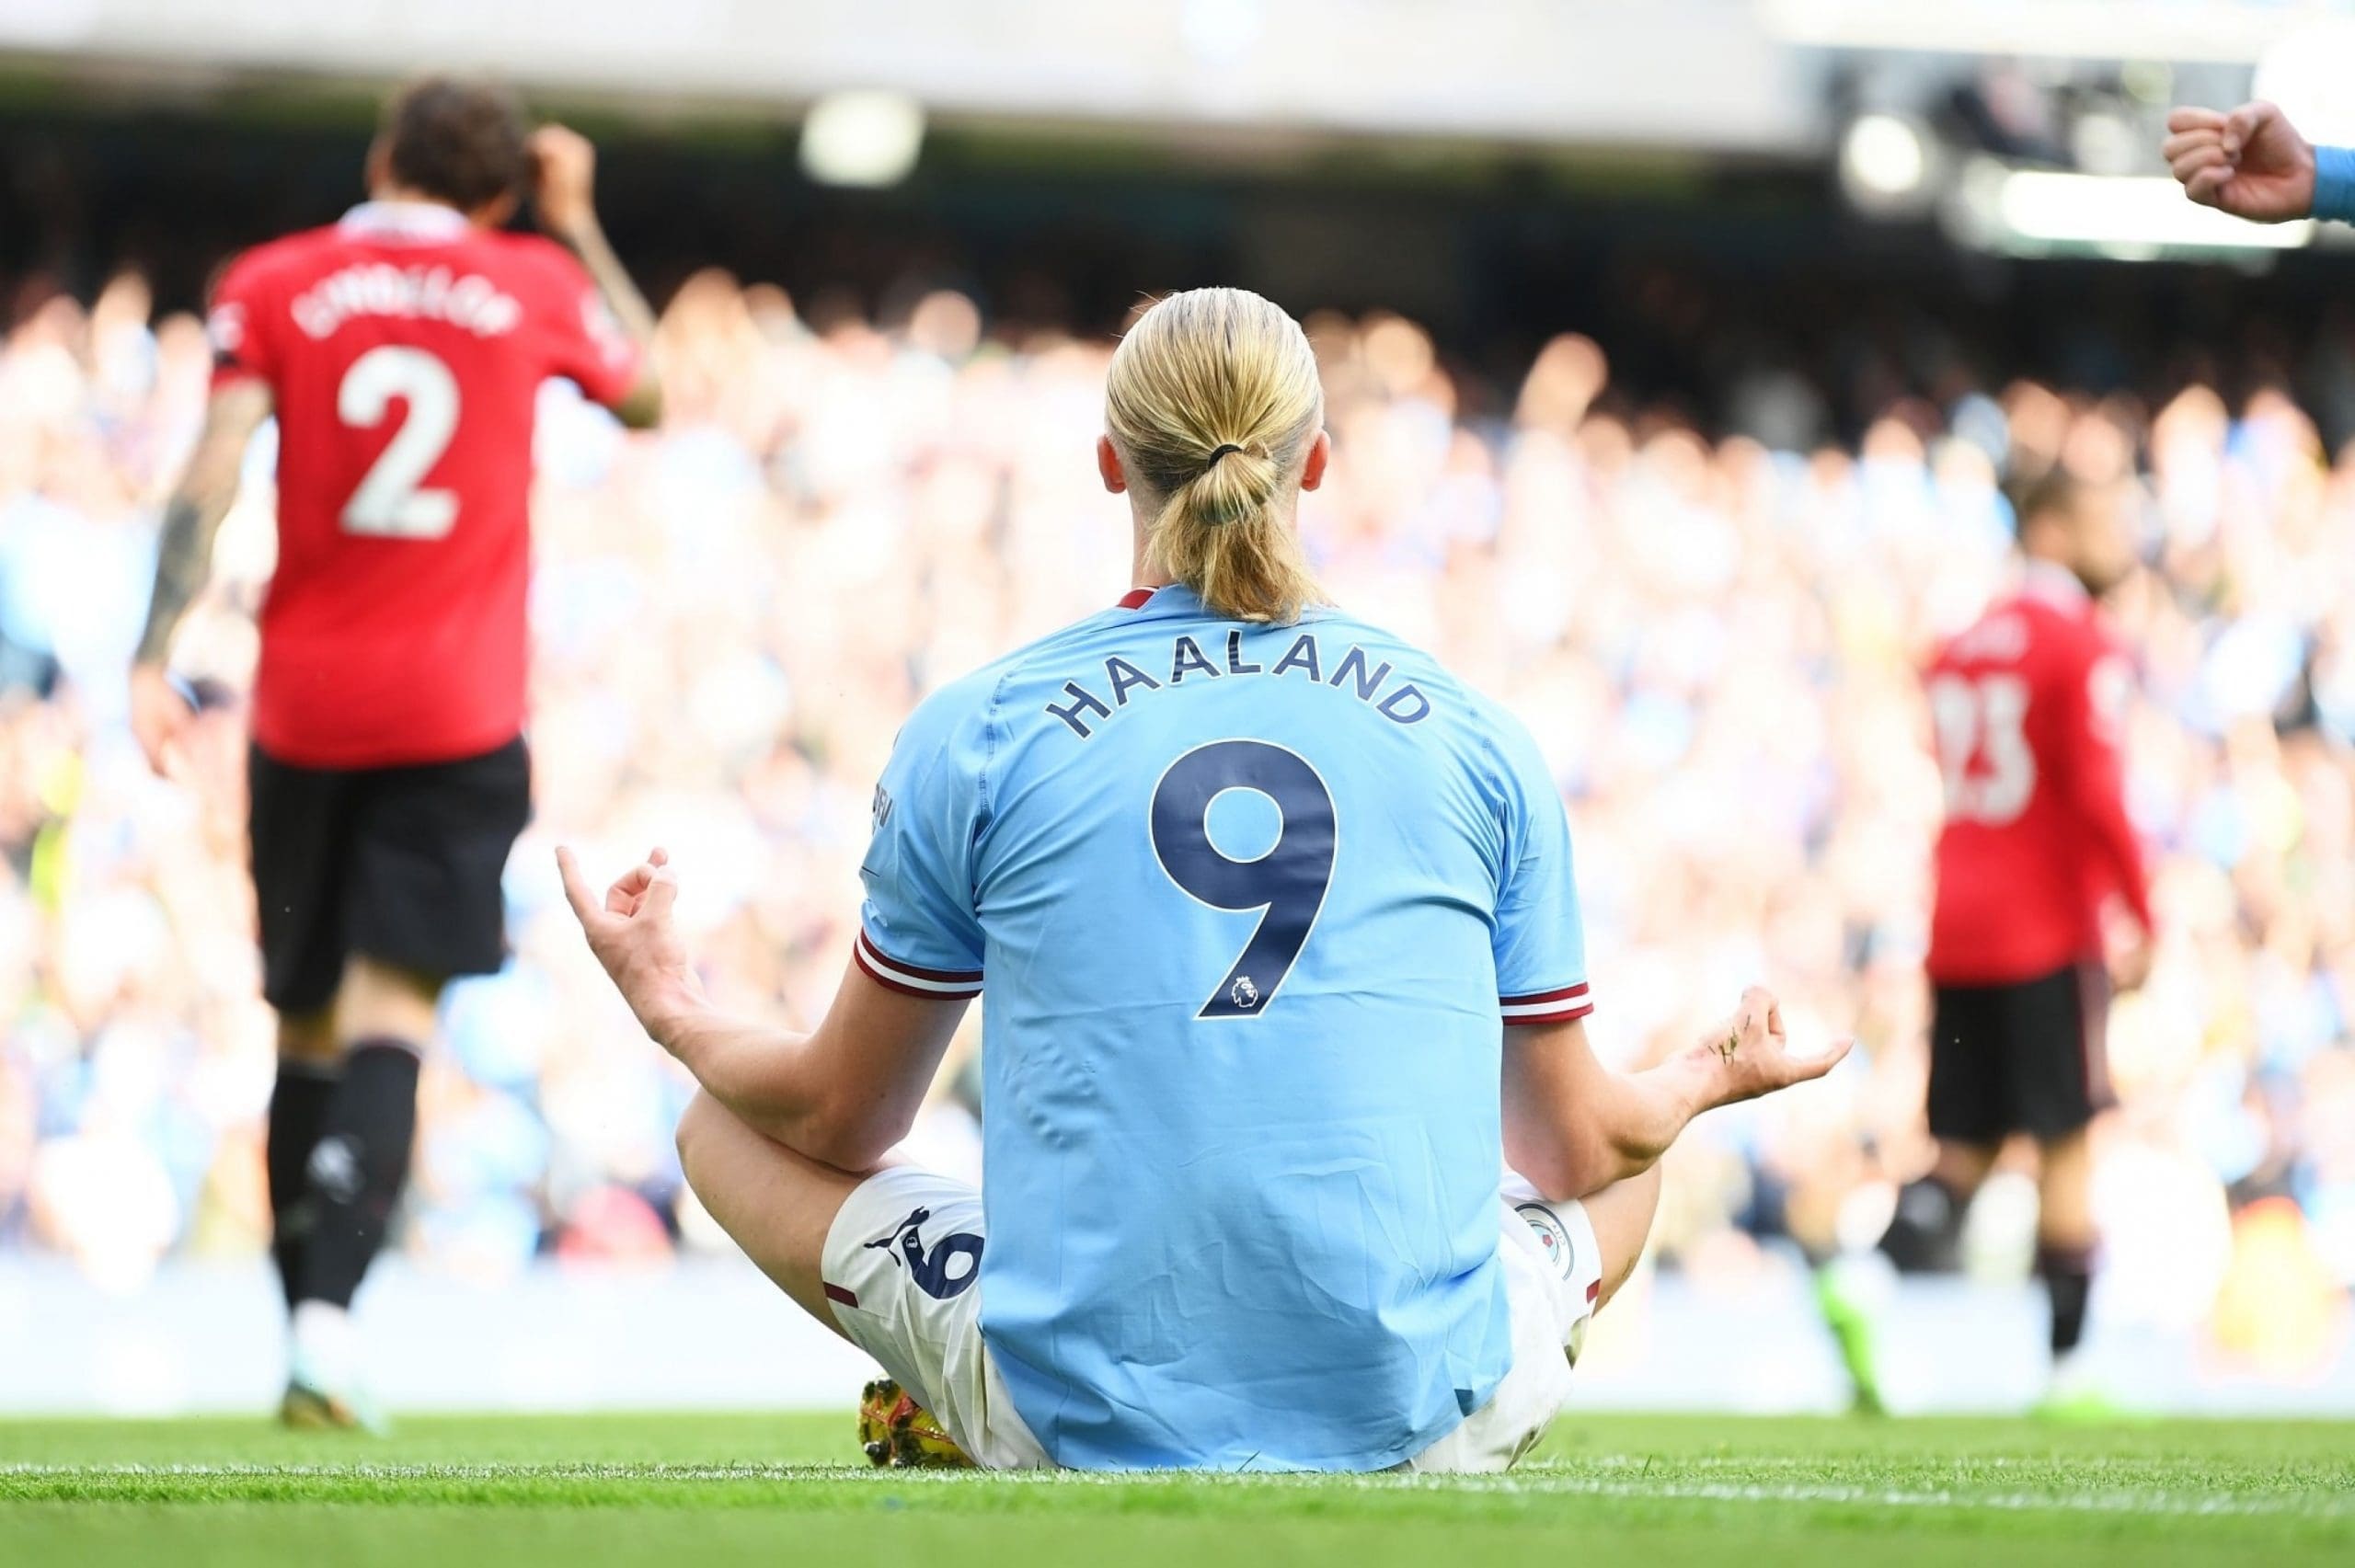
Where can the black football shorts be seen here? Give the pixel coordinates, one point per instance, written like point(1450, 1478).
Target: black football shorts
point(400, 864)
point(2026, 1057)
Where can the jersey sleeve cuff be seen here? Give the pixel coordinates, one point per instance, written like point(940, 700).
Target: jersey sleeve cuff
point(233, 372)
point(936, 985)
point(609, 389)
point(1562, 1005)
point(2334, 183)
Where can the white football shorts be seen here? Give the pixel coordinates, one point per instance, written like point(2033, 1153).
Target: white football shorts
point(902, 1271)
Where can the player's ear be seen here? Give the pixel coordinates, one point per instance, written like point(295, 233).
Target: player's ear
point(1312, 469)
point(1108, 463)
point(378, 171)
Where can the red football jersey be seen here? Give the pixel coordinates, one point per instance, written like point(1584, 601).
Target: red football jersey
point(405, 350)
point(2027, 706)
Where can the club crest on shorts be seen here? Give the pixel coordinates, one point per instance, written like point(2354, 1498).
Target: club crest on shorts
point(935, 1272)
point(334, 1168)
point(1551, 1234)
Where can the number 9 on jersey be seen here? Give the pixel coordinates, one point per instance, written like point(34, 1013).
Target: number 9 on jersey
point(1288, 882)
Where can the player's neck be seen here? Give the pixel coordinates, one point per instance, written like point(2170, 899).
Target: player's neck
point(391, 194)
point(1143, 573)
point(2053, 579)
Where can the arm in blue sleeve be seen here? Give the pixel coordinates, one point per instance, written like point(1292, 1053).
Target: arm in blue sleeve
point(919, 931)
point(2334, 183)
point(1539, 940)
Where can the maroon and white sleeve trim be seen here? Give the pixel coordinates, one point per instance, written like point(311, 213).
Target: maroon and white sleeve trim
point(1548, 1006)
point(940, 984)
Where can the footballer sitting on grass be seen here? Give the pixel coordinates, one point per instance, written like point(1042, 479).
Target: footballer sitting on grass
point(1279, 929)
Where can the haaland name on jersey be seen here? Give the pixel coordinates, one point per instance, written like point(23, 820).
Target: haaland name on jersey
point(1355, 674)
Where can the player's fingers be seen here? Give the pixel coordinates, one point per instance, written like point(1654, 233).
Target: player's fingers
point(560, 145)
point(658, 855)
point(155, 735)
point(628, 891)
point(621, 899)
point(1812, 1067)
point(2198, 158)
point(2246, 123)
point(575, 891)
point(2207, 186)
point(179, 730)
point(2184, 141)
point(2191, 116)
point(661, 892)
point(2186, 170)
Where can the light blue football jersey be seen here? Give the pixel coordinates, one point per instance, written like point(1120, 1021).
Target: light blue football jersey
point(1249, 904)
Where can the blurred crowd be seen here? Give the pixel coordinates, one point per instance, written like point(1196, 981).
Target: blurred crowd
point(1716, 643)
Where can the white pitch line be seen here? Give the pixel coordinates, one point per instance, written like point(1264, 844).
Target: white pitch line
point(2174, 1504)
point(367, 1472)
point(2329, 1504)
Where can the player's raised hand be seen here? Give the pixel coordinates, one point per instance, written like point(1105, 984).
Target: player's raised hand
point(563, 177)
point(1750, 1054)
point(161, 715)
point(2251, 163)
point(634, 937)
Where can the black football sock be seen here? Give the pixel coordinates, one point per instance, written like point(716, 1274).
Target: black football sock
point(1925, 1235)
point(298, 1108)
point(2068, 1275)
point(355, 1173)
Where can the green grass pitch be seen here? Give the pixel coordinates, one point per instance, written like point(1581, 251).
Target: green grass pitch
point(702, 1491)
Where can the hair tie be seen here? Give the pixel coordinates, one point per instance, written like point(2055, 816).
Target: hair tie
point(1218, 454)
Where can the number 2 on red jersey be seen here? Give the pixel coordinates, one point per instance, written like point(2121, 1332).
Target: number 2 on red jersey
point(391, 500)
point(1983, 752)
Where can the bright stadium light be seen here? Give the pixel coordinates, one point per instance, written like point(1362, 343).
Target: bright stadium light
point(1885, 165)
point(2216, 30)
point(2039, 211)
point(865, 138)
point(2306, 72)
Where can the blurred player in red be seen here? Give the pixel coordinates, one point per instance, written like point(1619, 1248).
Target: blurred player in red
point(2027, 707)
point(402, 350)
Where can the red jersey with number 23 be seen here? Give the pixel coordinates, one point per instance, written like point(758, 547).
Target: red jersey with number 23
point(2027, 707)
point(405, 350)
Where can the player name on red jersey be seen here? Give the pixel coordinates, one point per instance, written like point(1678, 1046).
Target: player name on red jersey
point(411, 293)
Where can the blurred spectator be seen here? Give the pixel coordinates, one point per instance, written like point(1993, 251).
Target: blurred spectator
point(1715, 642)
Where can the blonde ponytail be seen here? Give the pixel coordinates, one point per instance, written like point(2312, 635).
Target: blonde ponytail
point(1212, 402)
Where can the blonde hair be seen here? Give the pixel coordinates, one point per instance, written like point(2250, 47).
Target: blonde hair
point(1212, 402)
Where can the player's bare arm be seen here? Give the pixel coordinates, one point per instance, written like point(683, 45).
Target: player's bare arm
point(2250, 162)
point(564, 197)
point(1574, 1126)
point(184, 557)
point(843, 1094)
point(2092, 773)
